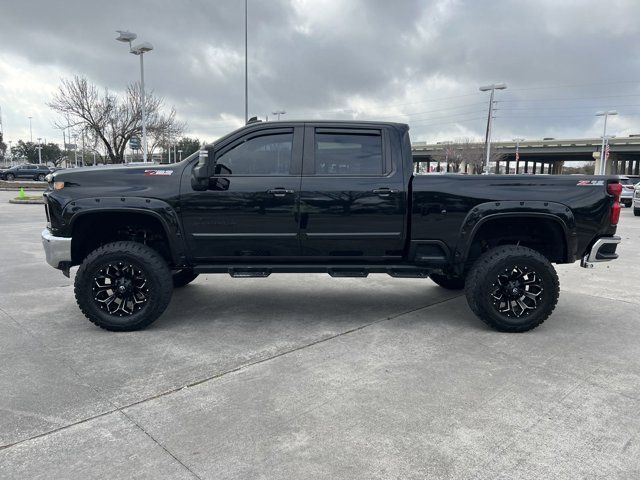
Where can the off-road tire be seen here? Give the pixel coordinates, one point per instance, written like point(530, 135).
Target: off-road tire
point(183, 277)
point(143, 258)
point(492, 264)
point(636, 212)
point(450, 283)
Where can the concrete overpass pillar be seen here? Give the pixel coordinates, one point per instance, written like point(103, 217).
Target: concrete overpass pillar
point(636, 171)
point(526, 166)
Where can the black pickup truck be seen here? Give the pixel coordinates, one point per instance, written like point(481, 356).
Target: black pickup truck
point(333, 197)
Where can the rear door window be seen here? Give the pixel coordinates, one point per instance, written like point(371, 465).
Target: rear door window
point(348, 153)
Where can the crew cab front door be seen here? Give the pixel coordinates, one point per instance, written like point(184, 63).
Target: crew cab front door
point(251, 207)
point(353, 198)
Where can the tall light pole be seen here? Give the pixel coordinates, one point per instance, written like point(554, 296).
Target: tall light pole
point(605, 139)
point(518, 140)
point(487, 141)
point(39, 147)
point(30, 130)
point(139, 50)
point(278, 113)
point(246, 64)
point(180, 153)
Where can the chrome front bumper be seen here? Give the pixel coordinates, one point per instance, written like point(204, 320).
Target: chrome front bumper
point(56, 249)
point(598, 252)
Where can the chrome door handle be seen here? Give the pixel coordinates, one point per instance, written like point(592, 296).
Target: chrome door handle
point(279, 192)
point(384, 192)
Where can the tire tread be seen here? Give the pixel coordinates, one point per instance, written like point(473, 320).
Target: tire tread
point(155, 264)
point(480, 270)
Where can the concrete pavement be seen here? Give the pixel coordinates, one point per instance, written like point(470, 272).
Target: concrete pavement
point(305, 376)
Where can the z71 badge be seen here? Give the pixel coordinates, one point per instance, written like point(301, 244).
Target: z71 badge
point(589, 183)
point(153, 173)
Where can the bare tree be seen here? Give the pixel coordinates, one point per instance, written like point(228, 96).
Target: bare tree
point(111, 120)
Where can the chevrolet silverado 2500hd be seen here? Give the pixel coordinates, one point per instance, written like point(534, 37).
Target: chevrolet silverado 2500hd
point(334, 197)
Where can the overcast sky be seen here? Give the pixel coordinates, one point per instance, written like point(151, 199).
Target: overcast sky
point(413, 61)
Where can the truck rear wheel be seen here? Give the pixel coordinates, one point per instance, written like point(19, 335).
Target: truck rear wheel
point(183, 277)
point(450, 283)
point(512, 288)
point(123, 286)
point(636, 212)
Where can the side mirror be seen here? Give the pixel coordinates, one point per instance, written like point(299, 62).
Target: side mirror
point(200, 174)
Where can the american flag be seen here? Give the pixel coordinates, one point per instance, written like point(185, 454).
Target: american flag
point(606, 152)
point(517, 156)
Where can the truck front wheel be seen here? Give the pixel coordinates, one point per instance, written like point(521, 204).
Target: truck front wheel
point(123, 286)
point(512, 288)
point(450, 283)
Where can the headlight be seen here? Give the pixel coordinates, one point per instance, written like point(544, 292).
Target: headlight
point(48, 178)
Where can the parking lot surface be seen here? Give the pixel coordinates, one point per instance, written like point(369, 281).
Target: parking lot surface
point(307, 376)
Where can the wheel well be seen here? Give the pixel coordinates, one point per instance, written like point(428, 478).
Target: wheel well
point(541, 234)
point(93, 230)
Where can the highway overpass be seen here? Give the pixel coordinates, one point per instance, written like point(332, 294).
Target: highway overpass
point(536, 156)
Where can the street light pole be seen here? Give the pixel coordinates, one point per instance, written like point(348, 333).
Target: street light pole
point(30, 131)
point(139, 50)
point(487, 141)
point(39, 147)
point(246, 64)
point(278, 113)
point(603, 155)
point(144, 112)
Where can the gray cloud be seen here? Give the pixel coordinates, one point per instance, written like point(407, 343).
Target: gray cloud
point(356, 58)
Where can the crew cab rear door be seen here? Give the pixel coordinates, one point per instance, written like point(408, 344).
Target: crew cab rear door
point(251, 207)
point(352, 199)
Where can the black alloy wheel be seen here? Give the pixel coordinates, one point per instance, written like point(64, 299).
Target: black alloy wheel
point(517, 291)
point(123, 286)
point(512, 288)
point(120, 289)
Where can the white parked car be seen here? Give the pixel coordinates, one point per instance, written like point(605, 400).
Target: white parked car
point(626, 198)
point(636, 200)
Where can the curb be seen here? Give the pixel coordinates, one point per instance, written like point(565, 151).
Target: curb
point(27, 202)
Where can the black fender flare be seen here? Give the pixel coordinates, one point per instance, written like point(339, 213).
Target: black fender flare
point(489, 211)
point(158, 209)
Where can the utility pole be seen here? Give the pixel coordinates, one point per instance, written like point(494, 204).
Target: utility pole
point(30, 131)
point(278, 113)
point(487, 140)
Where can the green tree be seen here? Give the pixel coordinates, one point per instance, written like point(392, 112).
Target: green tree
point(3, 148)
point(188, 146)
point(28, 151)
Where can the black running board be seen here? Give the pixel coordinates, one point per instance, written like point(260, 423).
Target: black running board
point(352, 271)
